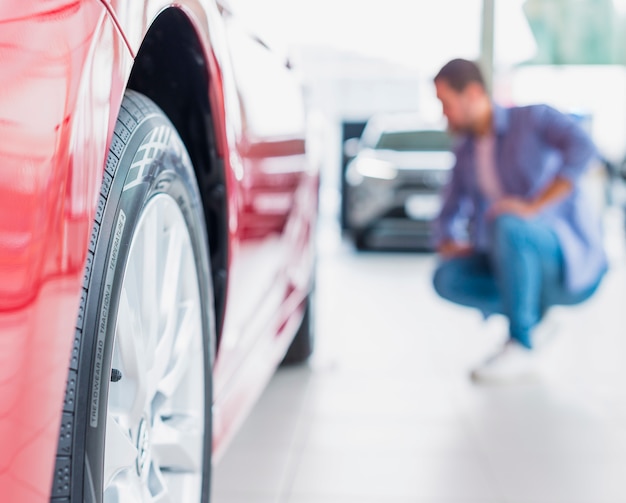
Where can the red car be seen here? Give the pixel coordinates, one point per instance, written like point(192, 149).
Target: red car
point(157, 214)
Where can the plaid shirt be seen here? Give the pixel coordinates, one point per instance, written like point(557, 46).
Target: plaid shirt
point(534, 144)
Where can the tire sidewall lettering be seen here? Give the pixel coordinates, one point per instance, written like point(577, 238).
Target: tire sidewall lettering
point(103, 319)
point(133, 189)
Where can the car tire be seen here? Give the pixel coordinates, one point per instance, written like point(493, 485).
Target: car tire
point(136, 420)
point(361, 241)
point(301, 347)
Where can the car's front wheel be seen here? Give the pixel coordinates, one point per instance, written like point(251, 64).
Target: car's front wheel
point(137, 422)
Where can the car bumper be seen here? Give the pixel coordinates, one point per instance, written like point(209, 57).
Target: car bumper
point(395, 213)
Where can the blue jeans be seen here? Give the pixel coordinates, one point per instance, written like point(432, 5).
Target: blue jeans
point(520, 277)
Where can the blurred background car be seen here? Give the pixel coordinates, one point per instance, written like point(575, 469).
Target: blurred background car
point(157, 257)
point(393, 181)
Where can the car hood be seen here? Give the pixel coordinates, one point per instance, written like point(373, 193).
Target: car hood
point(431, 160)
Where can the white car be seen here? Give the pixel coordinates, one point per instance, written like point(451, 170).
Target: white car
point(393, 183)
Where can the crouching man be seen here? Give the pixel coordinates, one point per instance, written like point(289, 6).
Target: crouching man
point(516, 233)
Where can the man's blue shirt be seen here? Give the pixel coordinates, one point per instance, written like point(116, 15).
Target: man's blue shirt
point(533, 145)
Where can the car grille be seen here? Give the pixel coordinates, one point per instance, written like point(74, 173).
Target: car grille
point(422, 180)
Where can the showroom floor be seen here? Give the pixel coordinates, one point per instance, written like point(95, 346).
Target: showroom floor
point(385, 413)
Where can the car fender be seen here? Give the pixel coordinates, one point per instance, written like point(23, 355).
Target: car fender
point(61, 64)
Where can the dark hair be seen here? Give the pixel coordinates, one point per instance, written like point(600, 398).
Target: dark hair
point(458, 73)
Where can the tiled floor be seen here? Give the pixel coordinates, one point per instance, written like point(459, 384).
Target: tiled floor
point(385, 413)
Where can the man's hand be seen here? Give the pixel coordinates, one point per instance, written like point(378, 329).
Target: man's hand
point(555, 191)
point(514, 206)
point(454, 249)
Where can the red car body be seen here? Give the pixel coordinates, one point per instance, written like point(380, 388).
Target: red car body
point(64, 68)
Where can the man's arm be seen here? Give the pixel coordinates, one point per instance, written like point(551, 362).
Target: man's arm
point(555, 191)
point(455, 197)
point(577, 149)
point(563, 133)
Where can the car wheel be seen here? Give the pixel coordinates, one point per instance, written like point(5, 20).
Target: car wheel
point(302, 344)
point(361, 241)
point(137, 415)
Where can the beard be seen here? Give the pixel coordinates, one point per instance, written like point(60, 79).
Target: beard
point(459, 129)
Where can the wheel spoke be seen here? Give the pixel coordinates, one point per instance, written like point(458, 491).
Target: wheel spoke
point(132, 355)
point(169, 307)
point(124, 489)
point(159, 491)
point(128, 338)
point(172, 273)
point(157, 410)
point(147, 257)
point(178, 444)
point(119, 450)
point(183, 352)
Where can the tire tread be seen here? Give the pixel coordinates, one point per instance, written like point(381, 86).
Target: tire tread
point(134, 110)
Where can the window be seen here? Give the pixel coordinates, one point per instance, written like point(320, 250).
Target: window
point(578, 31)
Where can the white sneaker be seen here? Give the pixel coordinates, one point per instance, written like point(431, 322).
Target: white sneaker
point(514, 363)
point(547, 329)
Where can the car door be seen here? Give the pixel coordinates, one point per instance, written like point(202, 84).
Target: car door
point(274, 185)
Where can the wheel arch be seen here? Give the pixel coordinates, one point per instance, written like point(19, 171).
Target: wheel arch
point(171, 69)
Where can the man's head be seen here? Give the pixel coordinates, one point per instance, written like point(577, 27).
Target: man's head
point(461, 89)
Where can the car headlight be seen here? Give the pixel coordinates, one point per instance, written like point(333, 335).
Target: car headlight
point(374, 168)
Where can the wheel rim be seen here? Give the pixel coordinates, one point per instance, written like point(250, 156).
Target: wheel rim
point(155, 419)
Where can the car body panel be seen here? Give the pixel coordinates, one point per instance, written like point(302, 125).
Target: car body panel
point(268, 157)
point(65, 65)
point(54, 119)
